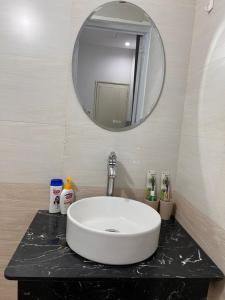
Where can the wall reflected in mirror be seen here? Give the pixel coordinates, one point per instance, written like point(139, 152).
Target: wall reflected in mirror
point(118, 66)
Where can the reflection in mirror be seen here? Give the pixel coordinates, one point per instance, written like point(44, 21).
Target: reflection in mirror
point(118, 66)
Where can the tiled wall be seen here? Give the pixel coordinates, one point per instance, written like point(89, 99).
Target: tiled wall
point(44, 132)
point(155, 143)
point(200, 181)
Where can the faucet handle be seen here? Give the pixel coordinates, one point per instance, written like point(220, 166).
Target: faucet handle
point(112, 159)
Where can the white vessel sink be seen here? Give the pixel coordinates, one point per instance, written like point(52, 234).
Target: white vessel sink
point(112, 230)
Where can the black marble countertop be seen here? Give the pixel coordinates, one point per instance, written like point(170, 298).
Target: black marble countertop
point(43, 254)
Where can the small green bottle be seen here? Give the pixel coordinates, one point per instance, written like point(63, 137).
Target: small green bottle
point(151, 189)
point(152, 196)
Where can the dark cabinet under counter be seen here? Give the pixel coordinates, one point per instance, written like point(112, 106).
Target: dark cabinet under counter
point(46, 268)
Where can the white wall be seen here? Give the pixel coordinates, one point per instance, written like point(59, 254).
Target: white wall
point(201, 168)
point(99, 63)
point(156, 71)
point(44, 132)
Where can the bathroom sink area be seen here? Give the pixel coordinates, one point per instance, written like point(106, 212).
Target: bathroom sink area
point(112, 230)
point(46, 268)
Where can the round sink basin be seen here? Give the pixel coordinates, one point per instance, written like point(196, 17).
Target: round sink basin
point(112, 230)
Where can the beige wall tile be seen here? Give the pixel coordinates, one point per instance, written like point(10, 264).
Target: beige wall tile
point(202, 148)
point(33, 90)
point(200, 174)
point(136, 153)
point(209, 235)
point(30, 152)
point(18, 204)
point(38, 29)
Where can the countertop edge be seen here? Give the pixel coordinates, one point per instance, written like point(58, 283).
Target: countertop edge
point(9, 270)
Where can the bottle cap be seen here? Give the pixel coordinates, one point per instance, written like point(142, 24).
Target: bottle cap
point(68, 183)
point(56, 182)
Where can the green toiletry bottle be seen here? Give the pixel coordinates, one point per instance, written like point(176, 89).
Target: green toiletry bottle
point(152, 196)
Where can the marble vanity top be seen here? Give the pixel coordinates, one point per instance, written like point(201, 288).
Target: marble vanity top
point(43, 254)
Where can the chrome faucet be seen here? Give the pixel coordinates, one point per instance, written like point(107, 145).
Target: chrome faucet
point(112, 161)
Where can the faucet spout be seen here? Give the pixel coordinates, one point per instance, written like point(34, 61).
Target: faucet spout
point(112, 162)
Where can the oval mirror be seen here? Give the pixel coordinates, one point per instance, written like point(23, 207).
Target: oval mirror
point(118, 66)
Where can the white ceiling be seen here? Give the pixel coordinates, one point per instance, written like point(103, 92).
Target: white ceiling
point(123, 11)
point(107, 38)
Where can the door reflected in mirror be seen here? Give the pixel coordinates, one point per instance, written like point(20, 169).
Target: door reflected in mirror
point(118, 66)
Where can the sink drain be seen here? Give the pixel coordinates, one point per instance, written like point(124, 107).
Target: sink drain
point(111, 230)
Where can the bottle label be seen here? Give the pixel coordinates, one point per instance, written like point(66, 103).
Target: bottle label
point(57, 201)
point(56, 191)
point(54, 201)
point(68, 198)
